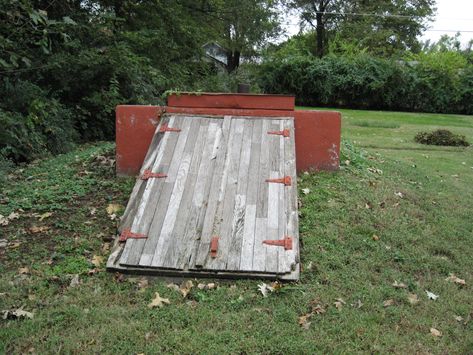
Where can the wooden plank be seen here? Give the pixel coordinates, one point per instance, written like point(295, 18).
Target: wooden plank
point(283, 265)
point(237, 231)
point(140, 185)
point(178, 239)
point(165, 241)
point(165, 196)
point(198, 207)
point(146, 209)
point(292, 218)
point(246, 256)
point(272, 252)
point(259, 249)
point(215, 201)
point(233, 204)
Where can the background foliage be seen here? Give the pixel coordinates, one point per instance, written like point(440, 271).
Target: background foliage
point(65, 65)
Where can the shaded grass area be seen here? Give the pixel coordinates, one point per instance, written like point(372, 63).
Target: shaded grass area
point(417, 203)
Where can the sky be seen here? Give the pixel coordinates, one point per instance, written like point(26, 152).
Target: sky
point(452, 15)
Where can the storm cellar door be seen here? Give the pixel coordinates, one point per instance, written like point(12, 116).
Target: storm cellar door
point(217, 197)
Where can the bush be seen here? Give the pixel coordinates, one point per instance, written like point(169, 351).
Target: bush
point(427, 83)
point(441, 137)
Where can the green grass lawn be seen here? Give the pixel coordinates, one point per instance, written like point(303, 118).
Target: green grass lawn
point(396, 212)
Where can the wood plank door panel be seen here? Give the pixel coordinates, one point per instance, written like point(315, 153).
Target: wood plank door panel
point(216, 186)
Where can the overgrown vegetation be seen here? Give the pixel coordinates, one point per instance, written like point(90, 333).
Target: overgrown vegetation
point(391, 224)
point(441, 137)
point(433, 82)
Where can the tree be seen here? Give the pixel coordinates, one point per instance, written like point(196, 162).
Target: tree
point(383, 26)
point(243, 26)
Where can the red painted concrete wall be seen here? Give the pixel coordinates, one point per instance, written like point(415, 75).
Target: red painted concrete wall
point(317, 133)
point(134, 126)
point(238, 101)
point(317, 140)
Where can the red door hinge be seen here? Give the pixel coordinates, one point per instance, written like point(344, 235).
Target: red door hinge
point(147, 174)
point(214, 247)
point(166, 128)
point(285, 133)
point(128, 234)
point(286, 180)
point(286, 242)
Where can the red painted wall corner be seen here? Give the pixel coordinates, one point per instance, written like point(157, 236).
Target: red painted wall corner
point(317, 140)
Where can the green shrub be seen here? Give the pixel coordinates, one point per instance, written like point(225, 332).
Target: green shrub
point(441, 137)
point(427, 83)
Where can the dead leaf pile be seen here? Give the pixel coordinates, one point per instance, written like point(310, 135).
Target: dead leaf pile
point(158, 301)
point(456, 280)
point(16, 314)
point(375, 171)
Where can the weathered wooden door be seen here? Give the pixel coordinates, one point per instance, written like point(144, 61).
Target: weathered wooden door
point(216, 195)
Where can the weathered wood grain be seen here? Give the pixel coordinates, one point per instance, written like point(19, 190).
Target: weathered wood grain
point(166, 192)
point(215, 203)
point(216, 187)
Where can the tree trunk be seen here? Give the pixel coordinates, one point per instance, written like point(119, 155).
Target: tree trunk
point(320, 30)
point(233, 61)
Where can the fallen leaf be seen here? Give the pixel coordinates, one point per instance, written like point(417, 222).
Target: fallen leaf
point(375, 237)
point(173, 286)
point(3, 243)
point(435, 332)
point(357, 304)
point(347, 162)
point(93, 211)
point(375, 171)
point(388, 303)
point(97, 260)
point(16, 314)
point(305, 191)
point(368, 206)
point(23, 270)
point(399, 284)
point(454, 279)
point(113, 208)
point(211, 285)
point(339, 302)
point(431, 295)
point(201, 286)
point(186, 287)
point(304, 321)
point(75, 281)
point(459, 318)
point(143, 283)
point(38, 229)
point(399, 194)
point(264, 289)
point(105, 247)
point(119, 277)
point(44, 216)
point(318, 309)
point(276, 285)
point(4, 221)
point(14, 245)
point(412, 298)
point(157, 301)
